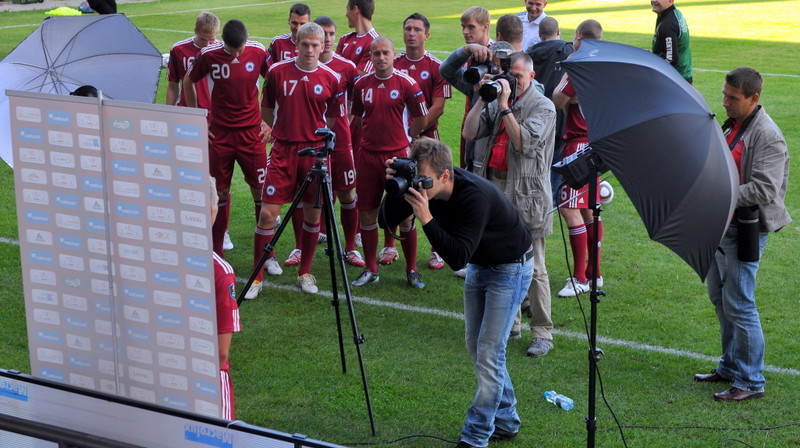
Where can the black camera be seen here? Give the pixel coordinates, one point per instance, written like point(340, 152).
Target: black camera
point(474, 74)
point(492, 89)
point(406, 176)
point(324, 150)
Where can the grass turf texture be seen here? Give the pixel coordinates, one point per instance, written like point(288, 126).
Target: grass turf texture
point(286, 365)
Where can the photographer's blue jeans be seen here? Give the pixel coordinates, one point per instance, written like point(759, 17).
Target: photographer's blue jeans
point(731, 288)
point(492, 296)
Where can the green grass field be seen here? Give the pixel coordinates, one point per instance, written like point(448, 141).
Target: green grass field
point(656, 324)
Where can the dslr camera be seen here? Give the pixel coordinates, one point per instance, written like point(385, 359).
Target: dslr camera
point(406, 176)
point(492, 89)
point(474, 74)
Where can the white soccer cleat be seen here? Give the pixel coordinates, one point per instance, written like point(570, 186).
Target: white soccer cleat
point(227, 244)
point(255, 289)
point(307, 284)
point(273, 268)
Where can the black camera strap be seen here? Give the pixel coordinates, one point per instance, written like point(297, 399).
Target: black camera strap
point(729, 124)
point(382, 217)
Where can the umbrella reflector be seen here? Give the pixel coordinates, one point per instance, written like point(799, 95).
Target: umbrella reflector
point(658, 136)
point(64, 53)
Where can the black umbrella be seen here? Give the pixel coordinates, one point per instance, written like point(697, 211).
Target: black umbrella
point(64, 53)
point(658, 136)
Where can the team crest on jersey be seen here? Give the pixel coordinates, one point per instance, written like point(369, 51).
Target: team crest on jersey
point(270, 190)
point(250, 66)
point(394, 94)
point(425, 74)
point(359, 50)
point(318, 89)
point(232, 290)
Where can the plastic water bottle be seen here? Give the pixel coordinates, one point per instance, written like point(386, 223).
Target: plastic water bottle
point(559, 400)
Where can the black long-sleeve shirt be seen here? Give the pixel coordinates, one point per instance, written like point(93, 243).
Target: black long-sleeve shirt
point(477, 224)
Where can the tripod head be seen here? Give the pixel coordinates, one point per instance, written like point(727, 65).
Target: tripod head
point(324, 150)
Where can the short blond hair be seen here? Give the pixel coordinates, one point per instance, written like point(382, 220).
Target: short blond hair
point(206, 23)
point(477, 13)
point(310, 30)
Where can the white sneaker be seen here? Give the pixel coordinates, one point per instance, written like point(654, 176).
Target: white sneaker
point(273, 268)
point(435, 262)
point(227, 244)
point(295, 256)
point(358, 240)
point(353, 258)
point(573, 288)
point(388, 255)
point(322, 238)
point(307, 284)
point(461, 273)
point(599, 282)
point(255, 289)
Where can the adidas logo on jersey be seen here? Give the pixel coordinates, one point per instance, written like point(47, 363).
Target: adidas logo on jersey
point(304, 78)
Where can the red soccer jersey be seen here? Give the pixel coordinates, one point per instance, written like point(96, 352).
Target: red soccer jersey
point(225, 289)
point(181, 57)
point(384, 106)
point(282, 48)
point(575, 124)
point(356, 48)
point(349, 74)
point(425, 72)
point(301, 100)
point(233, 82)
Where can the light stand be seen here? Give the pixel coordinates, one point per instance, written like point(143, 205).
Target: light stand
point(580, 169)
point(323, 198)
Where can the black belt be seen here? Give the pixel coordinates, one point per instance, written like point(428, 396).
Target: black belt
point(525, 257)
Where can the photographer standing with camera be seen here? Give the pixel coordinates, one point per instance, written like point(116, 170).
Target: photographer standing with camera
point(520, 125)
point(469, 221)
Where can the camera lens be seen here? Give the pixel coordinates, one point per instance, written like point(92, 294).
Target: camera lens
point(473, 75)
point(396, 186)
point(490, 91)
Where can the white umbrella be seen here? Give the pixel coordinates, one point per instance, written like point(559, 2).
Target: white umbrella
point(64, 53)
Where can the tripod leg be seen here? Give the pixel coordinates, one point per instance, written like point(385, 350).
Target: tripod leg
point(324, 194)
point(335, 242)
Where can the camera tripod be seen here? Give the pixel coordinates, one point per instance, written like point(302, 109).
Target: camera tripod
point(580, 169)
point(323, 198)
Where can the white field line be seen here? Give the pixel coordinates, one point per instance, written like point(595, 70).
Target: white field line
point(567, 334)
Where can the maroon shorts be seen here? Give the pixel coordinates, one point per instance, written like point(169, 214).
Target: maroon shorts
point(342, 169)
point(241, 145)
point(569, 197)
point(371, 172)
point(286, 172)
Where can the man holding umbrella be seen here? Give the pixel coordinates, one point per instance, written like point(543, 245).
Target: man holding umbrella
point(762, 158)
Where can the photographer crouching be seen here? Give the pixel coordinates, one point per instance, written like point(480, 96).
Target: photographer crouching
point(469, 220)
point(516, 124)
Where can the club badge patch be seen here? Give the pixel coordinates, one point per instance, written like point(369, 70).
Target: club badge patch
point(394, 94)
point(250, 66)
